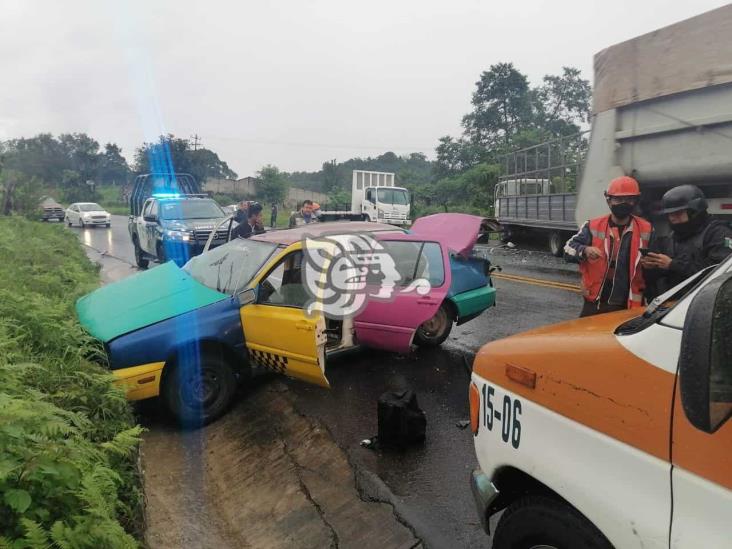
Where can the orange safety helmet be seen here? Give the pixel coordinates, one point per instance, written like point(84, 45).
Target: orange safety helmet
point(623, 186)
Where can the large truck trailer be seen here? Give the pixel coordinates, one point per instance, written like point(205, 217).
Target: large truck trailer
point(661, 113)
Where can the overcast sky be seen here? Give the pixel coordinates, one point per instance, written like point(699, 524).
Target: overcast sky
point(289, 83)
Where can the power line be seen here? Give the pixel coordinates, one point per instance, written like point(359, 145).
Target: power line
point(322, 145)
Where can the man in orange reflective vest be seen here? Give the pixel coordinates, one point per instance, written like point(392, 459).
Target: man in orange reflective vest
point(607, 250)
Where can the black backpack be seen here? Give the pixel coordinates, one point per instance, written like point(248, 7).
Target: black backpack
point(401, 421)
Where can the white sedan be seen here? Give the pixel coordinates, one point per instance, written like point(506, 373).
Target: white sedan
point(87, 214)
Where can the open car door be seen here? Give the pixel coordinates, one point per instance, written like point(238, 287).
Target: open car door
point(278, 333)
point(390, 324)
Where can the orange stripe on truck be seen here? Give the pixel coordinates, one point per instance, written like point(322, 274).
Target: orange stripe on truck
point(584, 374)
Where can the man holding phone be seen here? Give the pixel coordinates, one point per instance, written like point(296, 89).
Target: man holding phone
point(696, 242)
point(607, 249)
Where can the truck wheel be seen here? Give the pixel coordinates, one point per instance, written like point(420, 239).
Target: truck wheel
point(506, 234)
point(556, 244)
point(199, 392)
point(434, 331)
point(139, 254)
point(540, 521)
point(160, 250)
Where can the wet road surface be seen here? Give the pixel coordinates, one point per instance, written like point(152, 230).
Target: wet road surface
point(429, 483)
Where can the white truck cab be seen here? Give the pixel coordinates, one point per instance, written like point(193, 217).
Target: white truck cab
point(376, 197)
point(612, 430)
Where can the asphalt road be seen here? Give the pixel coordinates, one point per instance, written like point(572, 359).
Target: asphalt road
point(431, 481)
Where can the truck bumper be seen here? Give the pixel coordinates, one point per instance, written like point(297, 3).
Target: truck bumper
point(484, 494)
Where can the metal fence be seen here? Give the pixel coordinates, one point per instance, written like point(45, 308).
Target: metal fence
point(558, 161)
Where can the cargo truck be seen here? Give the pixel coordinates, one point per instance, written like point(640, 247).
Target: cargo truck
point(661, 114)
point(374, 197)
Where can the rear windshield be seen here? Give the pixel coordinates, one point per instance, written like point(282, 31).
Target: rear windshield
point(190, 209)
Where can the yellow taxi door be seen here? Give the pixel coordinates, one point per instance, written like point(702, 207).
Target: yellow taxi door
point(279, 334)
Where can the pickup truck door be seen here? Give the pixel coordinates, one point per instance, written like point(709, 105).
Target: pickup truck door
point(390, 324)
point(151, 228)
point(142, 231)
point(279, 334)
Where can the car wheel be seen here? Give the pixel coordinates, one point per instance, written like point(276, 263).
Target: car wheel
point(556, 244)
point(540, 521)
point(67, 221)
point(81, 223)
point(435, 330)
point(140, 259)
point(109, 225)
point(199, 390)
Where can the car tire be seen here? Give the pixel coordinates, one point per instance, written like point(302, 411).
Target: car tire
point(82, 224)
point(67, 221)
point(108, 225)
point(556, 244)
point(140, 259)
point(201, 392)
point(434, 331)
point(541, 521)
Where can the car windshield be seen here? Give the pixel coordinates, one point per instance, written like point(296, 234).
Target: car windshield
point(393, 196)
point(90, 207)
point(230, 267)
point(190, 209)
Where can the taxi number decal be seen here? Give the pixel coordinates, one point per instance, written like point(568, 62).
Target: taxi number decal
point(508, 416)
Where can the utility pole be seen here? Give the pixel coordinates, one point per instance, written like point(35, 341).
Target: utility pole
point(196, 139)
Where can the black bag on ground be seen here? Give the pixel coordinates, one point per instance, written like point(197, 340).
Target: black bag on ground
point(401, 420)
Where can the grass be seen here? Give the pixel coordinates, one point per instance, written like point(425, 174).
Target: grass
point(68, 439)
point(109, 199)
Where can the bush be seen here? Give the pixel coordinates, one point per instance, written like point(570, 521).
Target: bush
point(68, 441)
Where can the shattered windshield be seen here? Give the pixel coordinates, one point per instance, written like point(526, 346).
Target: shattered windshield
point(229, 268)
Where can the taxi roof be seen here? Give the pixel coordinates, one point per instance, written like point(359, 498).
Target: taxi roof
point(290, 236)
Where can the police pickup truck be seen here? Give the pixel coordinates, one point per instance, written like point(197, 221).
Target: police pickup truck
point(170, 220)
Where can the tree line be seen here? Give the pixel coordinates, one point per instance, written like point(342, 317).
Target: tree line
point(507, 113)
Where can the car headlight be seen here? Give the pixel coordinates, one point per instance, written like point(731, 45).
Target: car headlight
point(178, 235)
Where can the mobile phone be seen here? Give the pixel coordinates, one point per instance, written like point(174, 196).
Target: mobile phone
point(644, 251)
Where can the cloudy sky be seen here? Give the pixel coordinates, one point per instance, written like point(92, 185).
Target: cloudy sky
point(289, 82)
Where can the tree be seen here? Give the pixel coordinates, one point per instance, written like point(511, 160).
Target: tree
point(501, 107)
point(113, 168)
point(272, 185)
point(563, 102)
point(170, 154)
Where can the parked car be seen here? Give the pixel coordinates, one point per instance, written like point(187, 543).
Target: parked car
point(87, 214)
point(191, 334)
point(50, 209)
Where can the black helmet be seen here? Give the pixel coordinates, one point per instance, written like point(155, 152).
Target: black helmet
point(684, 197)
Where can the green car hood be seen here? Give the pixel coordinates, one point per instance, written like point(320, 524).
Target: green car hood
point(141, 300)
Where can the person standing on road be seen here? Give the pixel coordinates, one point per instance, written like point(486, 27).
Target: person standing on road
point(253, 225)
point(304, 216)
point(607, 249)
point(273, 216)
point(696, 241)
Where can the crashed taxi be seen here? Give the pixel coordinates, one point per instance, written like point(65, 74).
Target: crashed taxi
point(285, 301)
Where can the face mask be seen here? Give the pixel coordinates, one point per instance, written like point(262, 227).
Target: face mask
point(622, 210)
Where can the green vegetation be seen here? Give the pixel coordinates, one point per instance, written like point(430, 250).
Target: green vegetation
point(68, 440)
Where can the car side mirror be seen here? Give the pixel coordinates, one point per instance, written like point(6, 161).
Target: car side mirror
point(705, 360)
point(247, 297)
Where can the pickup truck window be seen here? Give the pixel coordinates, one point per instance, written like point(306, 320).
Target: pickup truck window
point(230, 267)
point(146, 209)
point(190, 209)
